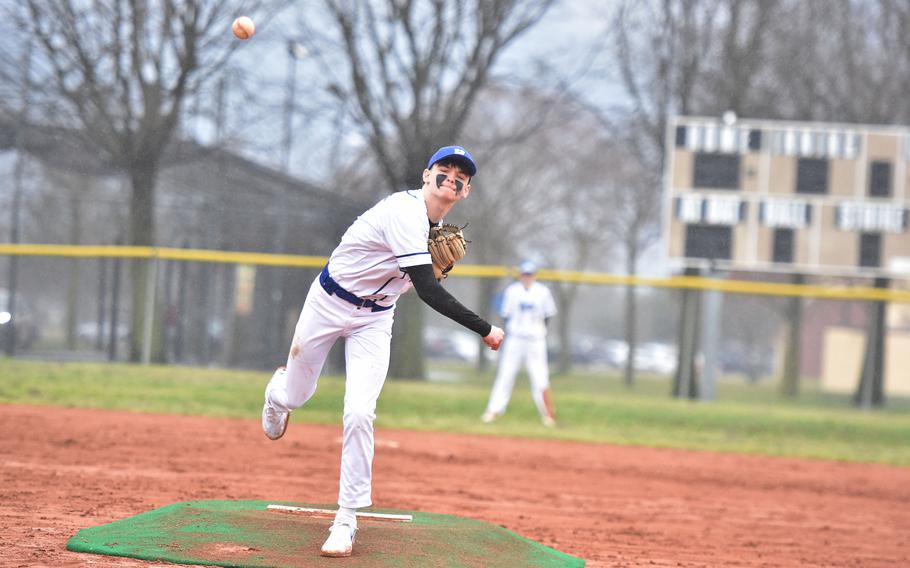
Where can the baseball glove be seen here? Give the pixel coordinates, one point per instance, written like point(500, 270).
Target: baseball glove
point(447, 246)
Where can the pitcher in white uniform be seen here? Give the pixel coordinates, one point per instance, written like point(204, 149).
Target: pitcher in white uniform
point(381, 256)
point(527, 306)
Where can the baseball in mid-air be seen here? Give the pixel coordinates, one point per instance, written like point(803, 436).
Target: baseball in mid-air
point(243, 27)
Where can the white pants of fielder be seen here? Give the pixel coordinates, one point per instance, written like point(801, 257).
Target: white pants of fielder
point(517, 351)
point(367, 334)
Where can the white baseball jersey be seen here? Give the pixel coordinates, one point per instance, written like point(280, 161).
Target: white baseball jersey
point(389, 236)
point(367, 263)
point(526, 309)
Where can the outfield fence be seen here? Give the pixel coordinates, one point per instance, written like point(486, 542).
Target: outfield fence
point(229, 308)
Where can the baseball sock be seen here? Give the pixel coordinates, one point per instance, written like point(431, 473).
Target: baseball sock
point(346, 516)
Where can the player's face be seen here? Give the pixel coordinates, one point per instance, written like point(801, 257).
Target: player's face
point(447, 179)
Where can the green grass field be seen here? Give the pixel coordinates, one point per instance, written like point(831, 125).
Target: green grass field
point(591, 407)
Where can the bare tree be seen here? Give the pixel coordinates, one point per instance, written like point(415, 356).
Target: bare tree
point(737, 72)
point(409, 72)
point(843, 61)
point(680, 57)
point(660, 49)
point(514, 201)
point(689, 57)
point(577, 227)
point(568, 205)
point(120, 72)
point(752, 326)
point(634, 225)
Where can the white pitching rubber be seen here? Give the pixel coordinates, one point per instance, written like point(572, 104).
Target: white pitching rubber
point(331, 513)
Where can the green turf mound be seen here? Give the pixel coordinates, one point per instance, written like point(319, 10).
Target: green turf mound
point(246, 534)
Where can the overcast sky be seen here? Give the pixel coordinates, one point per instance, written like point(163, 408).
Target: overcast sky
point(569, 40)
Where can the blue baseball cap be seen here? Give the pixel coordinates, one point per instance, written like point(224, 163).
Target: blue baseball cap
point(527, 267)
point(456, 153)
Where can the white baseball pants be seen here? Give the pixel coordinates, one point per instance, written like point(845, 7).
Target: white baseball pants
point(367, 334)
point(516, 350)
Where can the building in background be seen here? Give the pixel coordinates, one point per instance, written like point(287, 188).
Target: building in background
point(206, 198)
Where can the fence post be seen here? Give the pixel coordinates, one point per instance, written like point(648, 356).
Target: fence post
point(115, 307)
point(710, 337)
point(149, 309)
point(102, 299)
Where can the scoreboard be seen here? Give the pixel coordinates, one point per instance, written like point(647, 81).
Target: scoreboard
point(795, 197)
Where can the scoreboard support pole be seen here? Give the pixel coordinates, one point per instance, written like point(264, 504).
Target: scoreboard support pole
point(789, 381)
point(871, 390)
point(685, 381)
point(708, 366)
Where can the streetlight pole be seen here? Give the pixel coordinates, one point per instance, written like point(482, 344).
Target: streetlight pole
point(295, 51)
point(275, 326)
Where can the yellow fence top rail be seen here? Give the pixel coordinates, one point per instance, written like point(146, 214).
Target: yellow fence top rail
point(198, 255)
point(473, 271)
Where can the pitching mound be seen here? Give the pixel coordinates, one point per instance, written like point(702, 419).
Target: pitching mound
point(247, 534)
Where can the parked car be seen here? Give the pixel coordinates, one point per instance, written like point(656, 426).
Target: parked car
point(616, 352)
point(88, 332)
point(752, 361)
point(451, 344)
point(655, 357)
point(24, 319)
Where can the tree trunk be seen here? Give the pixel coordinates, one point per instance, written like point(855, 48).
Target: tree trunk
point(487, 288)
point(565, 298)
point(630, 319)
point(141, 233)
point(565, 339)
point(407, 360)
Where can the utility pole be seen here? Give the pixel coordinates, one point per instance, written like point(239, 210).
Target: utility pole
point(219, 110)
point(276, 321)
point(15, 221)
point(295, 51)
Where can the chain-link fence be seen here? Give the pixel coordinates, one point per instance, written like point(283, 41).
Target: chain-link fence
point(230, 309)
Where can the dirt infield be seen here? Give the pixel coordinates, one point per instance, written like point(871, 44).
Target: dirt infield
point(65, 469)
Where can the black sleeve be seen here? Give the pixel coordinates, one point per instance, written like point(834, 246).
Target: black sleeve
point(438, 298)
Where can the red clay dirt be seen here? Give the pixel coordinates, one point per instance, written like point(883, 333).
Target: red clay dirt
point(62, 470)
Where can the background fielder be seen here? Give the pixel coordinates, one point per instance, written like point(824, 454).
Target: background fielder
point(381, 256)
point(527, 306)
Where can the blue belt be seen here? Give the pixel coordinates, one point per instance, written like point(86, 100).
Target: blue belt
point(332, 287)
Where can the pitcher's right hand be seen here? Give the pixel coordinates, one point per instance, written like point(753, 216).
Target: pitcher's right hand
point(494, 338)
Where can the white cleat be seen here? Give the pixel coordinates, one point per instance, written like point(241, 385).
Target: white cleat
point(548, 421)
point(274, 421)
point(340, 542)
point(488, 417)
